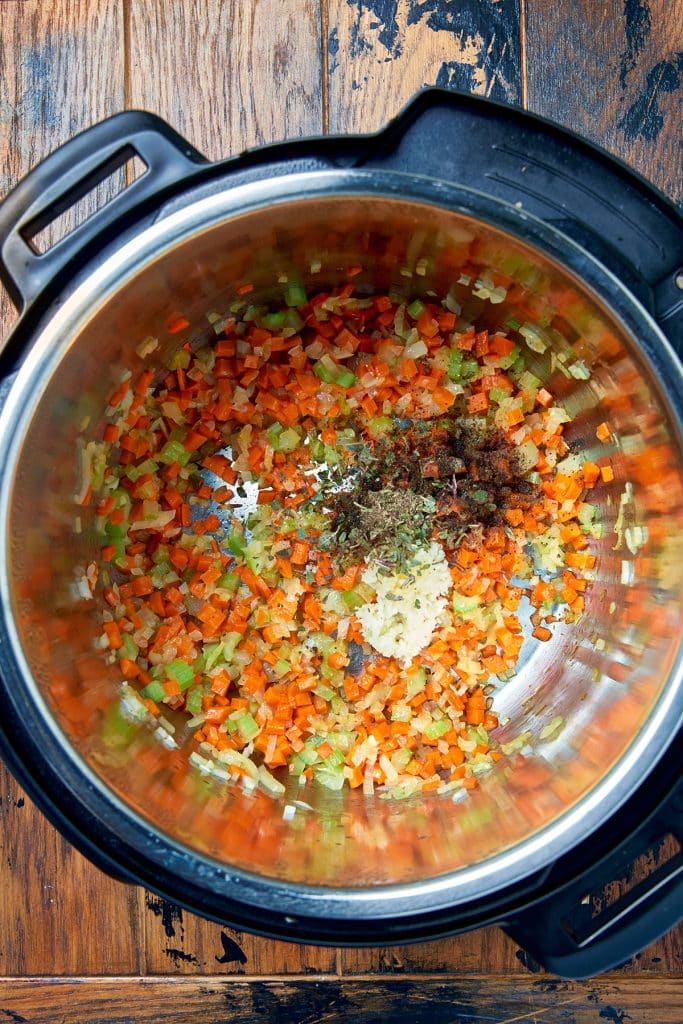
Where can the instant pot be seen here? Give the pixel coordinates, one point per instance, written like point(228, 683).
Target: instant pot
point(597, 254)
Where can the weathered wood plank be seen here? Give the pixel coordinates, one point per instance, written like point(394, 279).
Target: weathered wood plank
point(380, 53)
point(228, 75)
point(58, 913)
point(61, 69)
point(614, 73)
point(371, 1001)
point(478, 952)
point(177, 942)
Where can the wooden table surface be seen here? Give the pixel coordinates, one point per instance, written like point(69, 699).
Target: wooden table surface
point(76, 946)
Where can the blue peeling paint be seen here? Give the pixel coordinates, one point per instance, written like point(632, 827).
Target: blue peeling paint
point(637, 25)
point(644, 119)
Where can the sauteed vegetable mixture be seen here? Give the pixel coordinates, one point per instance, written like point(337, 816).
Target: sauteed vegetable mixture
point(324, 531)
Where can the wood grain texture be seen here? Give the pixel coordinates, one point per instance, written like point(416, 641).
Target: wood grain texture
point(371, 1001)
point(228, 75)
point(61, 69)
point(242, 74)
point(58, 913)
point(614, 73)
point(177, 942)
point(380, 52)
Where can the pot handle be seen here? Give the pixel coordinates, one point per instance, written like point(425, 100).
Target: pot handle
point(531, 162)
point(71, 172)
point(560, 931)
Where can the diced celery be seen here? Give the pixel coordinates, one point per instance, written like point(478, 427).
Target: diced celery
point(437, 729)
point(273, 321)
point(381, 425)
point(345, 379)
point(505, 362)
point(180, 360)
point(129, 647)
point(463, 604)
point(352, 599)
point(116, 730)
point(401, 759)
point(115, 531)
point(415, 309)
point(212, 655)
point(469, 367)
point(173, 451)
point(281, 667)
point(497, 395)
point(332, 456)
point(193, 700)
point(237, 542)
point(229, 643)
point(154, 691)
point(228, 581)
point(288, 440)
point(330, 778)
point(274, 431)
point(247, 727)
point(181, 672)
point(325, 375)
point(326, 692)
point(295, 294)
point(401, 712)
point(528, 381)
point(455, 361)
point(416, 681)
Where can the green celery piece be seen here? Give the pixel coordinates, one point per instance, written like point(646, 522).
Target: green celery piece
point(115, 531)
point(130, 648)
point(288, 440)
point(352, 599)
point(154, 691)
point(330, 778)
point(454, 368)
point(181, 672)
point(229, 643)
point(237, 542)
point(295, 294)
point(273, 321)
point(180, 360)
point(193, 700)
point(323, 373)
point(345, 379)
point(117, 731)
point(228, 581)
point(416, 681)
point(437, 729)
point(173, 451)
point(415, 309)
point(247, 726)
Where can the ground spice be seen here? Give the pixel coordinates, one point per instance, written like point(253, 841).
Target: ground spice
point(429, 480)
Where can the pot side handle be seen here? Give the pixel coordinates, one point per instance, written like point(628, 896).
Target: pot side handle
point(562, 933)
point(71, 172)
point(554, 174)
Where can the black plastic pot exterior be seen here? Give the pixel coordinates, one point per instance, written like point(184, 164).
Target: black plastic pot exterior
point(623, 225)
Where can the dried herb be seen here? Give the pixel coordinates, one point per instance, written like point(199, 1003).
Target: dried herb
point(443, 478)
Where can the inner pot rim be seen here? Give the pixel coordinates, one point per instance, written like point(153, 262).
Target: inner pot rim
point(91, 295)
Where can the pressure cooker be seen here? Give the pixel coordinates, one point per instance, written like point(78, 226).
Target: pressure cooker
point(548, 827)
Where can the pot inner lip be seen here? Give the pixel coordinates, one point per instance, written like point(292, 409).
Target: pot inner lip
point(97, 287)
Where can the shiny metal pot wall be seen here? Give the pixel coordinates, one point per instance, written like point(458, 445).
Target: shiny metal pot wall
point(610, 684)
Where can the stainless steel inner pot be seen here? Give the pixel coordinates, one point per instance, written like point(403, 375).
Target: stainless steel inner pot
point(614, 677)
